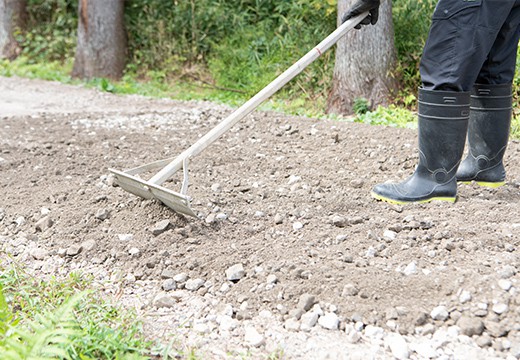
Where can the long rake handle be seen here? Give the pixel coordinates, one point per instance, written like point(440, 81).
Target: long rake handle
point(256, 100)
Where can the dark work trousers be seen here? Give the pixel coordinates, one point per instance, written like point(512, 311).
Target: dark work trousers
point(471, 41)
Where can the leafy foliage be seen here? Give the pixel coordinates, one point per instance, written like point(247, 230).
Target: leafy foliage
point(62, 320)
point(52, 34)
point(195, 49)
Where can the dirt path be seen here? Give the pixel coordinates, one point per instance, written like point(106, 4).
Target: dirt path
point(286, 198)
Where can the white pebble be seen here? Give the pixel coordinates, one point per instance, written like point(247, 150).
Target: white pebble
point(329, 321)
point(398, 346)
point(500, 308)
point(297, 226)
point(505, 284)
point(253, 337)
point(410, 269)
point(389, 234)
point(235, 272)
point(440, 313)
point(465, 296)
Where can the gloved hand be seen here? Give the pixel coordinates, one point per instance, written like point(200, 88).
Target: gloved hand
point(359, 7)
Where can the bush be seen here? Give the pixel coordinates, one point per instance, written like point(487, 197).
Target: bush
point(51, 34)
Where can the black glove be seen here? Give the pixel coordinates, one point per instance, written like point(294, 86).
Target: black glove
point(361, 6)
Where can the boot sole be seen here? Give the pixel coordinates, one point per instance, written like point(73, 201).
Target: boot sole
point(401, 202)
point(492, 185)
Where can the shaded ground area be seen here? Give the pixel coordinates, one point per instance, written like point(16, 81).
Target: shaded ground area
point(286, 197)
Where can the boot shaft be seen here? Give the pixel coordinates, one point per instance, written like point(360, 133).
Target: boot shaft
point(488, 134)
point(443, 122)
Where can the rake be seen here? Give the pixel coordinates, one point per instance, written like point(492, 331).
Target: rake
point(180, 201)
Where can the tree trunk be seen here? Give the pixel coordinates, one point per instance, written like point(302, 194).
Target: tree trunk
point(12, 16)
point(364, 61)
point(101, 47)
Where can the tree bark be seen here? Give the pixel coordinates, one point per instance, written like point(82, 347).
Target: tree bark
point(102, 45)
point(364, 62)
point(13, 16)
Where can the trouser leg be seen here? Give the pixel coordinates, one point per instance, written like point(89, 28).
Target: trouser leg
point(491, 109)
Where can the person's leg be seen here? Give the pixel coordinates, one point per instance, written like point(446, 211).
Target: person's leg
point(461, 36)
point(491, 109)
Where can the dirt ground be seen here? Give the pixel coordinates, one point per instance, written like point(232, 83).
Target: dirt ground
point(287, 197)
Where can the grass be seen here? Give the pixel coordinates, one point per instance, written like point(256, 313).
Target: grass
point(157, 84)
point(62, 319)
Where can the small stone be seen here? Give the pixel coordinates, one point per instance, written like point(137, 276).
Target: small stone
point(356, 183)
point(296, 313)
point(398, 346)
point(349, 290)
point(507, 272)
point(356, 220)
point(38, 253)
point(163, 300)
point(353, 337)
point(495, 329)
point(125, 237)
point(293, 179)
point(194, 284)
point(306, 302)
point(424, 350)
point(216, 188)
point(339, 221)
point(221, 217)
point(253, 337)
point(484, 341)
point(211, 218)
point(440, 313)
point(500, 308)
point(410, 269)
point(44, 224)
point(297, 226)
point(374, 332)
point(465, 296)
point(470, 326)
point(389, 234)
point(134, 252)
point(505, 284)
point(74, 250)
point(308, 320)
point(329, 321)
point(391, 314)
point(167, 274)
point(227, 323)
point(371, 252)
point(272, 279)
point(169, 285)
point(160, 227)
point(88, 245)
point(102, 214)
point(180, 278)
point(292, 324)
point(278, 219)
point(235, 272)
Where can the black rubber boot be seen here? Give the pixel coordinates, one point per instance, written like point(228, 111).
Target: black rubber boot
point(443, 123)
point(488, 132)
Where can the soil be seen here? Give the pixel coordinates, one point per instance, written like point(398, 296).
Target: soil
point(282, 195)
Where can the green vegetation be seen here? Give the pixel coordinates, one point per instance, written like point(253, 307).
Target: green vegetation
point(61, 319)
point(225, 51)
